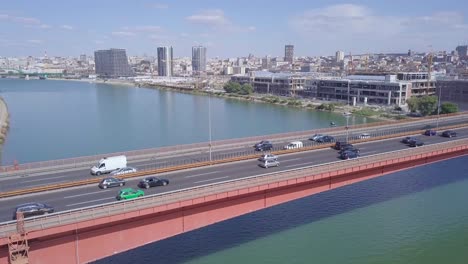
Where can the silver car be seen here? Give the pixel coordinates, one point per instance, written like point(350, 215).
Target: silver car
point(122, 171)
point(269, 163)
point(268, 157)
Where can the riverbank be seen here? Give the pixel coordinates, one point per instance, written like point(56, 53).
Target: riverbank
point(4, 120)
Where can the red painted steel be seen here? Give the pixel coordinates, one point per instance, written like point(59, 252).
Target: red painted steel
point(98, 238)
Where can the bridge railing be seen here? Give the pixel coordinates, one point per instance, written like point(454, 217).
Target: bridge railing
point(154, 153)
point(152, 201)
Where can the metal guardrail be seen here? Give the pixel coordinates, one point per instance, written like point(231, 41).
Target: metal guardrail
point(89, 160)
point(223, 159)
point(114, 208)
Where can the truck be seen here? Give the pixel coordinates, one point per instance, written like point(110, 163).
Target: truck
point(108, 164)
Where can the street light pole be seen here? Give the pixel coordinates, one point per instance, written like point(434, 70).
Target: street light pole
point(438, 107)
point(347, 128)
point(348, 92)
point(209, 123)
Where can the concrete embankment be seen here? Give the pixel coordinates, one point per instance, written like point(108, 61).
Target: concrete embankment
point(4, 121)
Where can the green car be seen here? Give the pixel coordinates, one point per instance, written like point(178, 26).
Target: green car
point(129, 193)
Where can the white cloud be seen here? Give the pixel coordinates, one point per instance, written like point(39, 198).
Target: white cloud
point(98, 41)
point(184, 35)
point(67, 27)
point(349, 26)
point(123, 33)
point(142, 29)
point(26, 20)
point(251, 28)
point(211, 17)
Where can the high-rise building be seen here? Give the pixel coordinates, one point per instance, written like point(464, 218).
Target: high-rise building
point(83, 58)
point(112, 63)
point(165, 61)
point(266, 62)
point(289, 53)
point(339, 56)
point(462, 51)
point(198, 59)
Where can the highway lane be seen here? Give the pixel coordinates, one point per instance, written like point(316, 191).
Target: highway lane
point(91, 195)
point(43, 179)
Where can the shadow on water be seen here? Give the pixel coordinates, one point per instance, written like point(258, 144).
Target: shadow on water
point(243, 229)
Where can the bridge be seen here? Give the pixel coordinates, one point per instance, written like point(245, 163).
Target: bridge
point(199, 197)
point(4, 72)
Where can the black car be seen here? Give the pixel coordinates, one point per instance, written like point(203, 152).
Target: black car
point(152, 182)
point(407, 140)
point(263, 145)
point(341, 144)
point(430, 132)
point(449, 133)
point(415, 143)
point(111, 182)
point(348, 148)
point(349, 155)
point(33, 209)
point(325, 139)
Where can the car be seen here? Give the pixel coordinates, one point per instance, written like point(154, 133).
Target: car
point(268, 157)
point(430, 132)
point(415, 143)
point(263, 146)
point(349, 155)
point(269, 163)
point(33, 209)
point(364, 136)
point(325, 139)
point(261, 143)
point(111, 182)
point(449, 133)
point(294, 145)
point(341, 144)
point(123, 171)
point(349, 148)
point(152, 182)
point(406, 140)
point(315, 137)
point(129, 193)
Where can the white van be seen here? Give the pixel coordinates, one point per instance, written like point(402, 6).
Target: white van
point(294, 145)
point(109, 164)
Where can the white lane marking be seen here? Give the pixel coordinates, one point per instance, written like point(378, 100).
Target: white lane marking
point(91, 201)
point(214, 179)
point(290, 159)
point(300, 164)
point(82, 194)
point(371, 152)
point(46, 179)
point(201, 174)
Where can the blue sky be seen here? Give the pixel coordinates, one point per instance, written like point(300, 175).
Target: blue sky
point(230, 28)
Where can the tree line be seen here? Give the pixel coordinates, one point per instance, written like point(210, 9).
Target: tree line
point(427, 105)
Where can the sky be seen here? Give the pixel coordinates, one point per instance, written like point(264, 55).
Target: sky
point(230, 28)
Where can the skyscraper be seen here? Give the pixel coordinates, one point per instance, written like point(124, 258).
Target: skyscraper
point(289, 53)
point(165, 61)
point(112, 63)
point(462, 51)
point(339, 56)
point(198, 59)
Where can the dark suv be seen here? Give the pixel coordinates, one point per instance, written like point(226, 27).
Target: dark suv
point(341, 144)
point(348, 148)
point(349, 155)
point(415, 143)
point(263, 145)
point(449, 133)
point(430, 132)
point(33, 209)
point(325, 139)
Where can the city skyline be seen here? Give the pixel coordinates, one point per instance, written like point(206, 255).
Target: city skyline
point(231, 29)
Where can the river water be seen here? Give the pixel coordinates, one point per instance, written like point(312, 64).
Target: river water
point(61, 119)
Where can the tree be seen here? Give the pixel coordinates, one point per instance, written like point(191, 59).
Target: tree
point(246, 89)
point(413, 104)
point(232, 87)
point(427, 105)
point(448, 108)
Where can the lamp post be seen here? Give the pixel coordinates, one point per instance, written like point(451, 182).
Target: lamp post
point(438, 108)
point(209, 123)
point(347, 128)
point(348, 92)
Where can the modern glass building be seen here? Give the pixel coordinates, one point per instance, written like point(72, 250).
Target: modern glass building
point(112, 63)
point(165, 61)
point(198, 59)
